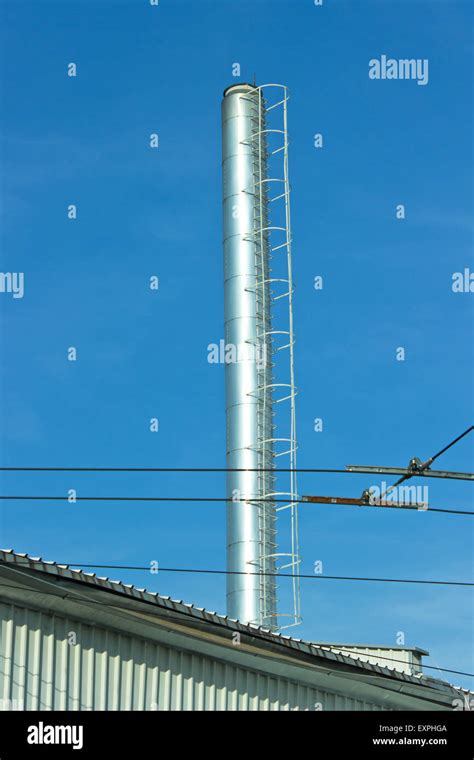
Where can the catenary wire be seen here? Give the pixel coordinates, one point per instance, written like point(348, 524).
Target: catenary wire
point(210, 571)
point(320, 470)
point(217, 499)
point(424, 467)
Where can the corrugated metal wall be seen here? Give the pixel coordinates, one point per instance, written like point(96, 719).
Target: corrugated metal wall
point(41, 668)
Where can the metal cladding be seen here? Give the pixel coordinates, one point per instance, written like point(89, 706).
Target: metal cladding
point(137, 650)
point(241, 109)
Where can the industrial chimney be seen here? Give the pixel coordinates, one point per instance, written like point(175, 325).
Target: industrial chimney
point(257, 252)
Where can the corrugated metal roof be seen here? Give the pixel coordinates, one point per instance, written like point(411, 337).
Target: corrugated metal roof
point(342, 645)
point(38, 564)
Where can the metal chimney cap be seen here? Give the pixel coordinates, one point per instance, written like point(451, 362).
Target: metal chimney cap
point(242, 87)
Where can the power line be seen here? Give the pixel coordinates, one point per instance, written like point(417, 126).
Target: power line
point(351, 470)
point(435, 456)
point(209, 571)
point(285, 575)
point(420, 468)
point(172, 469)
point(317, 500)
point(249, 633)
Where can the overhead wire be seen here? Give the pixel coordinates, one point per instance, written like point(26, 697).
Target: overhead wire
point(423, 467)
point(211, 571)
point(217, 499)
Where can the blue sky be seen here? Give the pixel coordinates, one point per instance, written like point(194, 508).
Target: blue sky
point(143, 354)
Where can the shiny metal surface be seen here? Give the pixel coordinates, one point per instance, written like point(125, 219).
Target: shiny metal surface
point(260, 387)
point(240, 216)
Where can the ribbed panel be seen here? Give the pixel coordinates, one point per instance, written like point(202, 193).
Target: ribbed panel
point(104, 670)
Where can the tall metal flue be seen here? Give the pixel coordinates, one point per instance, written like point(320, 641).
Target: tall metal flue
point(257, 234)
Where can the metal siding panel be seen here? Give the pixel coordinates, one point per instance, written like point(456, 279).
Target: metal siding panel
point(176, 700)
point(60, 664)
point(87, 671)
point(261, 689)
point(284, 695)
point(126, 691)
point(243, 697)
point(164, 684)
point(151, 698)
point(264, 698)
point(186, 664)
point(34, 671)
point(139, 655)
point(314, 700)
point(221, 687)
point(19, 656)
point(303, 697)
point(209, 685)
point(6, 653)
point(299, 697)
point(107, 670)
point(252, 690)
point(273, 693)
point(292, 696)
point(101, 672)
point(47, 673)
point(113, 681)
point(198, 683)
point(74, 671)
point(232, 693)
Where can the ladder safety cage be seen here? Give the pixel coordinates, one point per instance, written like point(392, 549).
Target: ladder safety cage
point(274, 318)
